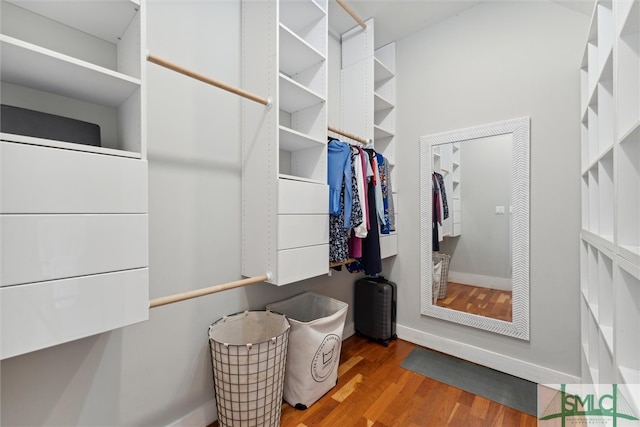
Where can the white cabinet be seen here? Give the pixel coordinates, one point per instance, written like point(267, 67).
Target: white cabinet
point(368, 103)
point(74, 217)
point(610, 238)
point(285, 196)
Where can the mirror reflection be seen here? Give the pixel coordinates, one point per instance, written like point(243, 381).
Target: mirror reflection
point(472, 231)
point(474, 228)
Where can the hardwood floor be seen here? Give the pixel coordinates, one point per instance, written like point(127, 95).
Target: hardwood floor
point(374, 391)
point(476, 300)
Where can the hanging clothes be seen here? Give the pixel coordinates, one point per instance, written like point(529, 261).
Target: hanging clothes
point(338, 172)
point(387, 196)
point(340, 225)
point(371, 261)
point(392, 209)
point(443, 195)
point(436, 219)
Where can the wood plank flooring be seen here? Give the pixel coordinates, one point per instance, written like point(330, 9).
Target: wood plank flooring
point(476, 300)
point(375, 391)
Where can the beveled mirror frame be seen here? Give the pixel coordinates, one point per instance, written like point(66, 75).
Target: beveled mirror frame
point(519, 326)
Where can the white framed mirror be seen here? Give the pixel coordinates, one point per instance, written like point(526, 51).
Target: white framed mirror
point(485, 236)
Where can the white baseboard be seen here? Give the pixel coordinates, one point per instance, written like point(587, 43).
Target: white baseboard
point(519, 368)
point(500, 283)
point(200, 417)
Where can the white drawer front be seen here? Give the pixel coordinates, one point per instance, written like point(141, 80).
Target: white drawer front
point(47, 247)
point(41, 315)
point(302, 263)
point(457, 229)
point(51, 180)
point(457, 205)
point(388, 245)
point(295, 231)
point(297, 197)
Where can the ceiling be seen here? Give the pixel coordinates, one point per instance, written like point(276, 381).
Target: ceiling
point(395, 19)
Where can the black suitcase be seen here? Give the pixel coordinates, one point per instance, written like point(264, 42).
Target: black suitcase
point(374, 309)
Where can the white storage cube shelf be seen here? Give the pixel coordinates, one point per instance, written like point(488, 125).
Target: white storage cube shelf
point(94, 75)
point(285, 192)
point(610, 188)
point(74, 216)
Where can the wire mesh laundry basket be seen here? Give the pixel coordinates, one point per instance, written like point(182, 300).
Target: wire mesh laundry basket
point(248, 354)
point(444, 275)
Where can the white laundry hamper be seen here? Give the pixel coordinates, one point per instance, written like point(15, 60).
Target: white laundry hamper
point(248, 354)
point(315, 342)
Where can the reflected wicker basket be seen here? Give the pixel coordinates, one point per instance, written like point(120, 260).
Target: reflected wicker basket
point(444, 276)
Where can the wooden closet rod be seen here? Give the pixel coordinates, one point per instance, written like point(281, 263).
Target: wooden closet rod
point(179, 69)
point(206, 291)
point(352, 13)
point(348, 135)
point(338, 263)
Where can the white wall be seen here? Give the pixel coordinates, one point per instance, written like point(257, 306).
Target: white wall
point(497, 61)
point(159, 371)
point(484, 247)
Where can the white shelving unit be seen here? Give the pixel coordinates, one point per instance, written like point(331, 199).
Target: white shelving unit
point(285, 192)
point(74, 217)
point(368, 103)
point(610, 238)
point(446, 161)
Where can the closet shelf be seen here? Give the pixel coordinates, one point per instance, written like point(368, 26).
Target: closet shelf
point(107, 20)
point(631, 23)
point(295, 97)
point(28, 65)
point(593, 165)
point(630, 254)
point(300, 179)
point(381, 104)
point(606, 72)
point(67, 145)
point(381, 72)
point(631, 135)
point(296, 55)
point(607, 333)
point(292, 140)
point(379, 132)
point(300, 15)
point(605, 246)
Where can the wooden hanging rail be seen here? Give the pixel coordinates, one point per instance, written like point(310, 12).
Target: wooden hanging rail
point(206, 291)
point(338, 263)
point(182, 70)
point(348, 135)
point(352, 13)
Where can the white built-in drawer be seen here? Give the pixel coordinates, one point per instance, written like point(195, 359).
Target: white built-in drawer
point(47, 247)
point(51, 180)
point(295, 231)
point(457, 229)
point(302, 263)
point(299, 197)
point(457, 205)
point(44, 314)
point(388, 245)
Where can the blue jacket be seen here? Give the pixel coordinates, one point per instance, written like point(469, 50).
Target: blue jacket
point(339, 171)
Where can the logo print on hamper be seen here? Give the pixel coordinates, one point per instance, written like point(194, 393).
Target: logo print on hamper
point(583, 407)
point(325, 358)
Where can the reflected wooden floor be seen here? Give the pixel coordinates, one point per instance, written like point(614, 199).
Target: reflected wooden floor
point(375, 391)
point(476, 300)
